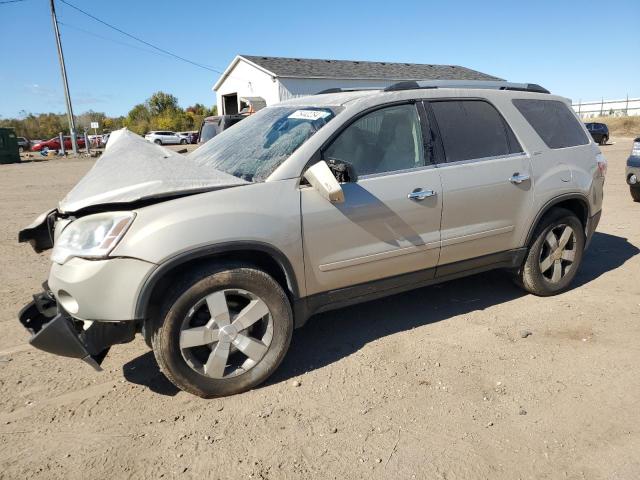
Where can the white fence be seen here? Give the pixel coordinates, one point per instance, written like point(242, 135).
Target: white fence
point(605, 108)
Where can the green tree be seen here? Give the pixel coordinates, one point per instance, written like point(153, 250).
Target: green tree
point(139, 119)
point(159, 112)
point(161, 102)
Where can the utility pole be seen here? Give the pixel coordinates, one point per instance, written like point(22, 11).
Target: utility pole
point(65, 84)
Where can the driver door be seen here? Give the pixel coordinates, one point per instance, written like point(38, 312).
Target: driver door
point(389, 223)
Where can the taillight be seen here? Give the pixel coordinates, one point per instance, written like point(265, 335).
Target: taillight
point(635, 150)
point(602, 164)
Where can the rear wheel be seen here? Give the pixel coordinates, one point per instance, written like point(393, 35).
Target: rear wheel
point(223, 332)
point(183, 141)
point(555, 255)
point(20, 149)
point(603, 140)
point(635, 193)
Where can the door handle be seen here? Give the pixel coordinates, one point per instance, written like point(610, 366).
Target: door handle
point(518, 178)
point(420, 194)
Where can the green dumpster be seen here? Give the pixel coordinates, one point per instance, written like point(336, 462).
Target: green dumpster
point(8, 146)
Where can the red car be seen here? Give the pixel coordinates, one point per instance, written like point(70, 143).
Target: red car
point(54, 144)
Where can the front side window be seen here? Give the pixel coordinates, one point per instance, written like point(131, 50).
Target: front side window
point(256, 146)
point(472, 129)
point(552, 120)
point(385, 140)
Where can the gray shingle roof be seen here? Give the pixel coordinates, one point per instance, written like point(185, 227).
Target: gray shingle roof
point(343, 69)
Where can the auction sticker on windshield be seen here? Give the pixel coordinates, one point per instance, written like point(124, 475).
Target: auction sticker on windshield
point(309, 114)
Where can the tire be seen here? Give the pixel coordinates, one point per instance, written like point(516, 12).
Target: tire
point(635, 193)
point(603, 140)
point(157, 141)
point(183, 142)
point(536, 276)
point(195, 368)
point(20, 149)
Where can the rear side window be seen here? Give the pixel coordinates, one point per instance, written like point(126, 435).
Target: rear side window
point(473, 129)
point(552, 120)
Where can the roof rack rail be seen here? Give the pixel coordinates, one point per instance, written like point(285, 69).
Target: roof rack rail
point(496, 85)
point(343, 90)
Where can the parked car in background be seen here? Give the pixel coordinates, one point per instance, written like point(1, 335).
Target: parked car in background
point(95, 141)
point(165, 138)
point(599, 132)
point(633, 170)
point(54, 144)
point(212, 126)
point(310, 205)
point(24, 145)
point(189, 136)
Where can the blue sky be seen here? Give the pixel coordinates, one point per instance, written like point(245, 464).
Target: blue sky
point(582, 50)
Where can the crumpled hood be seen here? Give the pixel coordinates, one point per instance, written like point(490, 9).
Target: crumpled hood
point(132, 169)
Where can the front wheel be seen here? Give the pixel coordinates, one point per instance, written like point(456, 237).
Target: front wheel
point(183, 142)
point(555, 255)
point(223, 332)
point(158, 141)
point(604, 140)
point(635, 193)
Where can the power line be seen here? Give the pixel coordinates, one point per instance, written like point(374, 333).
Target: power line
point(87, 32)
point(11, 1)
point(166, 52)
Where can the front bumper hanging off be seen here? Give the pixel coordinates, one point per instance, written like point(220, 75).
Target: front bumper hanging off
point(55, 331)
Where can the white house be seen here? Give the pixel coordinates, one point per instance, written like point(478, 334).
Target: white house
point(253, 81)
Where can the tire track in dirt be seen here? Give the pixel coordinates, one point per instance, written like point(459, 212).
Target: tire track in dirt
point(65, 399)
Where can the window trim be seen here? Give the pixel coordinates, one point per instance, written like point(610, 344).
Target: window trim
point(482, 159)
point(441, 159)
point(319, 154)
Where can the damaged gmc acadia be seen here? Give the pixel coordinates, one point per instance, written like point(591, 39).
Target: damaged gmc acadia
point(307, 206)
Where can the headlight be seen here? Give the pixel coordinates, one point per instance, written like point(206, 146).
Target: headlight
point(93, 236)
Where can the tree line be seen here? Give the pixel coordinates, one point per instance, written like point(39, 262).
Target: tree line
point(159, 112)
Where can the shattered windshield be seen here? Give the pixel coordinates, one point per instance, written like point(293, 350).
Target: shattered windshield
point(255, 147)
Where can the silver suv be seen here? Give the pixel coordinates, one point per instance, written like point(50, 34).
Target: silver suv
point(307, 206)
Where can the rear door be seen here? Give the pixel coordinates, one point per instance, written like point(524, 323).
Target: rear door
point(486, 181)
point(389, 223)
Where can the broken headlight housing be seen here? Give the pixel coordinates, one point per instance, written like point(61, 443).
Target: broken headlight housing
point(93, 236)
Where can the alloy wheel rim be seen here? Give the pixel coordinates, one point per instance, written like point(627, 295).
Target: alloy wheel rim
point(558, 253)
point(226, 333)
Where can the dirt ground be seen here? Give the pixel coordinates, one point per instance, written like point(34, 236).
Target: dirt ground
point(437, 383)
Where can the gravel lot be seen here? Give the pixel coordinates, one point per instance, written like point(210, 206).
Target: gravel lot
point(435, 383)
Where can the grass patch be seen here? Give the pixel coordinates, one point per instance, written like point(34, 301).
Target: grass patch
point(620, 126)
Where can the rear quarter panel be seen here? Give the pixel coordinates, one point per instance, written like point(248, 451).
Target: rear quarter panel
point(556, 172)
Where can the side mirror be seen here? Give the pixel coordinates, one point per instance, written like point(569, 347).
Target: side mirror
point(322, 179)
